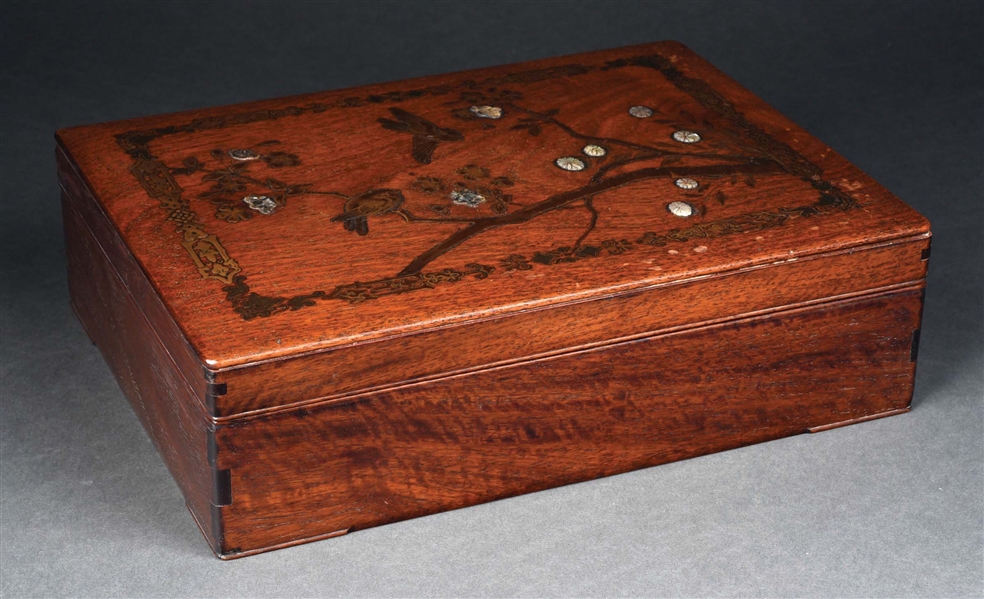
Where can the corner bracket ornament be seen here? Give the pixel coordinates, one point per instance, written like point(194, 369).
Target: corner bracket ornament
point(211, 259)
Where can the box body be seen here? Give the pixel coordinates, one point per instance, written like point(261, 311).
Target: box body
point(345, 309)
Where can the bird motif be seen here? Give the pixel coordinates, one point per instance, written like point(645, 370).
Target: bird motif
point(426, 135)
point(370, 203)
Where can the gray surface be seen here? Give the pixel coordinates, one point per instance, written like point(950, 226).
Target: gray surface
point(889, 508)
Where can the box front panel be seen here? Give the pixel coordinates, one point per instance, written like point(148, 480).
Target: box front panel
point(536, 333)
point(464, 440)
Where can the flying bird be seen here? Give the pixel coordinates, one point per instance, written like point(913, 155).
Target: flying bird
point(426, 135)
point(370, 203)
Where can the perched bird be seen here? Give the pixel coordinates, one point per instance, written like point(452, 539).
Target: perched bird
point(370, 203)
point(426, 135)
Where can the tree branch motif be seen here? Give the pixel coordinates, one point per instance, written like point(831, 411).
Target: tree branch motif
point(483, 225)
point(758, 153)
point(589, 205)
point(747, 165)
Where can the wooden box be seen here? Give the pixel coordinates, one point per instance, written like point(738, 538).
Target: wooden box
point(344, 309)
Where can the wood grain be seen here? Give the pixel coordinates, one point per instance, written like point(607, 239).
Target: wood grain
point(315, 377)
point(146, 373)
point(349, 308)
point(157, 179)
point(469, 439)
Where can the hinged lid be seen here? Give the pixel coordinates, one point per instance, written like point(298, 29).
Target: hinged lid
point(289, 227)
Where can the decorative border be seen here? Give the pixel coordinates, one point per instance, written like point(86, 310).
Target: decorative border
point(214, 262)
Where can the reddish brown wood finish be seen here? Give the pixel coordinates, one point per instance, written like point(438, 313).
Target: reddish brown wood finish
point(464, 440)
point(318, 376)
point(367, 348)
point(758, 160)
point(161, 398)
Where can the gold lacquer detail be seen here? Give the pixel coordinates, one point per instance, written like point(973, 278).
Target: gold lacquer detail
point(211, 259)
point(477, 191)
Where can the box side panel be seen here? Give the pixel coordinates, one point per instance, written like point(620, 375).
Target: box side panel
point(463, 440)
point(448, 350)
point(134, 279)
point(144, 369)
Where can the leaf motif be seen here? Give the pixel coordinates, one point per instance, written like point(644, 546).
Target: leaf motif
point(708, 125)
point(671, 160)
point(535, 130)
point(269, 142)
point(688, 117)
point(750, 179)
point(734, 178)
point(498, 206)
point(720, 197)
point(276, 184)
point(217, 154)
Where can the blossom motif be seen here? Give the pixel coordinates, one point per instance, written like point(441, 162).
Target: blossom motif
point(232, 213)
point(486, 112)
point(472, 97)
point(228, 185)
point(467, 197)
point(686, 137)
point(567, 254)
point(428, 185)
point(281, 159)
point(616, 246)
point(508, 95)
point(243, 154)
point(262, 204)
point(570, 163)
point(473, 172)
point(681, 209)
point(515, 262)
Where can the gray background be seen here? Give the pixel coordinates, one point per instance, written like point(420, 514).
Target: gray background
point(888, 508)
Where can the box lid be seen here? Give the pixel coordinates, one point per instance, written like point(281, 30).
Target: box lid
point(288, 227)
